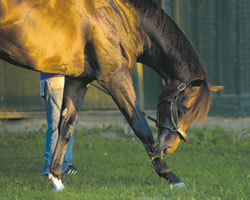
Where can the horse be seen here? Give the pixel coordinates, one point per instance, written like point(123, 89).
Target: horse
point(101, 40)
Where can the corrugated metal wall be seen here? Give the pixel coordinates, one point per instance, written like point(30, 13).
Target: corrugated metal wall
point(218, 28)
point(20, 91)
point(220, 31)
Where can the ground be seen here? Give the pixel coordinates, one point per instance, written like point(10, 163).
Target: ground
point(214, 164)
point(90, 119)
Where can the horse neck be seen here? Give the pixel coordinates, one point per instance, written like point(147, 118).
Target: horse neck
point(168, 51)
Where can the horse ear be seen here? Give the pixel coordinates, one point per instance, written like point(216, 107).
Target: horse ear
point(215, 88)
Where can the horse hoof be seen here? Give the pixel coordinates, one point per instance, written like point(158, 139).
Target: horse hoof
point(58, 186)
point(177, 185)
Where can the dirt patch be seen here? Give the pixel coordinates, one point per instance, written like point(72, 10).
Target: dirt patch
point(89, 119)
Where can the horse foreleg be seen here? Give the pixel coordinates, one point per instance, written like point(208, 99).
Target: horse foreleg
point(122, 91)
point(74, 92)
point(164, 171)
point(120, 87)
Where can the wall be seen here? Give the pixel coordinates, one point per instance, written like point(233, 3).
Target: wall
point(20, 91)
point(220, 31)
point(218, 28)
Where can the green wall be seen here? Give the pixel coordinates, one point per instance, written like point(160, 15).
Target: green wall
point(20, 91)
point(219, 29)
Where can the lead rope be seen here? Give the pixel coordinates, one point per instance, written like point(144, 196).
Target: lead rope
point(99, 88)
point(151, 151)
point(145, 114)
point(150, 118)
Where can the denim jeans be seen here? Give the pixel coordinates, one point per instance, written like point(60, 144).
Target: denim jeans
point(53, 95)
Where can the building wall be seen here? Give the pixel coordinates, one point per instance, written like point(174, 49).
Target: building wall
point(219, 29)
point(20, 91)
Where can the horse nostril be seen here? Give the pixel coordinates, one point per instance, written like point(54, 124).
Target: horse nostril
point(165, 150)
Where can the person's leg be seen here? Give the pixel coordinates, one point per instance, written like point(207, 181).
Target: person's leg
point(74, 92)
point(53, 100)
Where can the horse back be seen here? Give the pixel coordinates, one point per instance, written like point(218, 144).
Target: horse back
point(47, 36)
point(50, 35)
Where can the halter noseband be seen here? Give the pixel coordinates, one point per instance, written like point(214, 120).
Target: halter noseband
point(172, 99)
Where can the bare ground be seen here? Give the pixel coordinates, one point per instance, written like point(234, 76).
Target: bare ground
point(89, 119)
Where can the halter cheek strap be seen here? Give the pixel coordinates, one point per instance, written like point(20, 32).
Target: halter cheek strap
point(172, 99)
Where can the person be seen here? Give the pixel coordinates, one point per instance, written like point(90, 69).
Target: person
point(52, 86)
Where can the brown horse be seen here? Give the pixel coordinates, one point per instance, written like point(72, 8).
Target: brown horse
point(102, 40)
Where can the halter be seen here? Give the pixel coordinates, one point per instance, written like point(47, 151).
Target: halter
point(172, 99)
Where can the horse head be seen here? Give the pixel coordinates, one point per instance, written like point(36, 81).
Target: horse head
point(179, 105)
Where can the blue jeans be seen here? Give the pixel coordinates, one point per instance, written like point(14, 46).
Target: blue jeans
point(53, 101)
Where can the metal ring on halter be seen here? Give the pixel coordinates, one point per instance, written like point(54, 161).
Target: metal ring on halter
point(182, 87)
point(173, 97)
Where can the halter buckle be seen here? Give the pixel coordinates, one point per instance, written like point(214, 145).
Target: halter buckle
point(182, 87)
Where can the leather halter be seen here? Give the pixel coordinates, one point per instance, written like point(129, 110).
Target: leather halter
point(171, 98)
point(173, 124)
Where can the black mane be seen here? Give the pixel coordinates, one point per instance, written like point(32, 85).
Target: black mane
point(179, 53)
point(145, 6)
point(170, 38)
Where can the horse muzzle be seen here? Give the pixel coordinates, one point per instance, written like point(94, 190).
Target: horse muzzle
point(160, 151)
point(168, 141)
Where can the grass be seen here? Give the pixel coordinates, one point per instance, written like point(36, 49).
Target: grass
point(213, 165)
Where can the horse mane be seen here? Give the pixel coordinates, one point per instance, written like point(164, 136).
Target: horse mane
point(200, 105)
point(171, 39)
point(200, 108)
point(180, 53)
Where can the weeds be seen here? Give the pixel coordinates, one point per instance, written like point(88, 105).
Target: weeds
point(112, 165)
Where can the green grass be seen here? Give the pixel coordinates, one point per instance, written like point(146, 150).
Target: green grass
point(213, 165)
